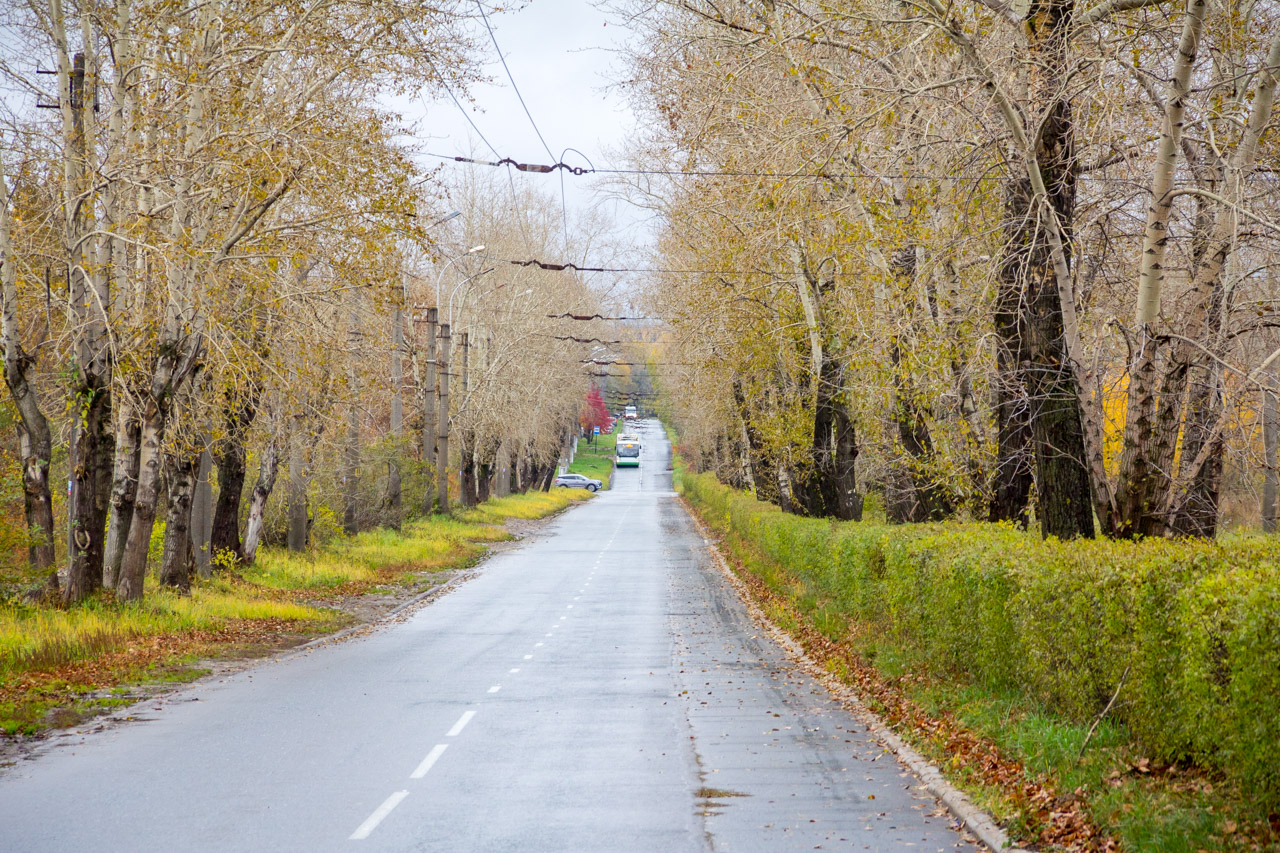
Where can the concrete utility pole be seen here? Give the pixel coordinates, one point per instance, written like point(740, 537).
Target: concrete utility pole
point(351, 454)
point(466, 358)
point(1270, 438)
point(296, 496)
point(397, 404)
point(202, 515)
point(466, 446)
point(430, 391)
point(442, 446)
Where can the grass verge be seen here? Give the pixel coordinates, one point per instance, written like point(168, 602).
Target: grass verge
point(595, 460)
point(57, 667)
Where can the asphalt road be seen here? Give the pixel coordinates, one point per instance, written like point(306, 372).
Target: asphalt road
point(599, 688)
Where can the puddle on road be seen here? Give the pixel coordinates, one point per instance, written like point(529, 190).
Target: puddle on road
point(708, 799)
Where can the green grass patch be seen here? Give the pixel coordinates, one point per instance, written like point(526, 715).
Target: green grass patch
point(527, 506)
point(595, 459)
point(40, 638)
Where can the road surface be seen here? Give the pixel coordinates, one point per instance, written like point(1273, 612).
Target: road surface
point(599, 688)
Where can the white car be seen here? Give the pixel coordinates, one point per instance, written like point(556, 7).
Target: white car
point(577, 481)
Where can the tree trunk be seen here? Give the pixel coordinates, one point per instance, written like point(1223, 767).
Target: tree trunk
point(133, 566)
point(484, 478)
point(467, 468)
point(231, 457)
point(92, 456)
point(1057, 425)
point(124, 490)
point(835, 449)
point(917, 497)
point(765, 484)
point(37, 502)
point(34, 439)
point(1013, 477)
point(546, 477)
point(1144, 463)
point(178, 364)
point(786, 497)
point(258, 500)
point(175, 567)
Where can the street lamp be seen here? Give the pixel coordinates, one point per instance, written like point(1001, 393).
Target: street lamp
point(470, 251)
point(458, 286)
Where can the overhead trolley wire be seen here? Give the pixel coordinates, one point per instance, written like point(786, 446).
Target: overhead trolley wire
point(543, 168)
point(555, 267)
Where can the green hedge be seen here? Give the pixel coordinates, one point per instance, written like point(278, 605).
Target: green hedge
point(1196, 624)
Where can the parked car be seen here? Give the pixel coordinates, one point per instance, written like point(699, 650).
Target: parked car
point(577, 481)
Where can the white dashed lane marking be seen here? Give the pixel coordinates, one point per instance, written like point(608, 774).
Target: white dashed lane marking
point(495, 688)
point(461, 724)
point(371, 823)
point(432, 757)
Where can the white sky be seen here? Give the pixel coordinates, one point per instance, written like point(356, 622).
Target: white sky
point(562, 54)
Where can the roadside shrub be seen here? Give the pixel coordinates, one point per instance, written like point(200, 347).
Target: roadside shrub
point(1188, 633)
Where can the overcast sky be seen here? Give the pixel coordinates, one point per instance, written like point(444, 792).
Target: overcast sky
point(563, 57)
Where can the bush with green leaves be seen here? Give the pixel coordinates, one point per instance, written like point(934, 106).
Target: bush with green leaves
point(1184, 634)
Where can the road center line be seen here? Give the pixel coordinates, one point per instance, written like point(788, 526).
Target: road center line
point(461, 724)
point(495, 688)
point(371, 823)
point(528, 657)
point(432, 757)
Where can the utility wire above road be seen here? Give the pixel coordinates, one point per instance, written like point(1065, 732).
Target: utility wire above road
point(555, 267)
point(568, 316)
point(543, 168)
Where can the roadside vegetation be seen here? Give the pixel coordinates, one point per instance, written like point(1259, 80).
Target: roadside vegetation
point(1078, 690)
point(59, 665)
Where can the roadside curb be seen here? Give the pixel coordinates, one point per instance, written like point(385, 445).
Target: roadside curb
point(957, 802)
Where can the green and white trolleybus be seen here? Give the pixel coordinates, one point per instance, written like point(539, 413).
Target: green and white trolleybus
point(627, 450)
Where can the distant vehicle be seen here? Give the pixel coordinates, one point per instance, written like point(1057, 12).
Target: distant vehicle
point(577, 481)
point(627, 450)
point(629, 413)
